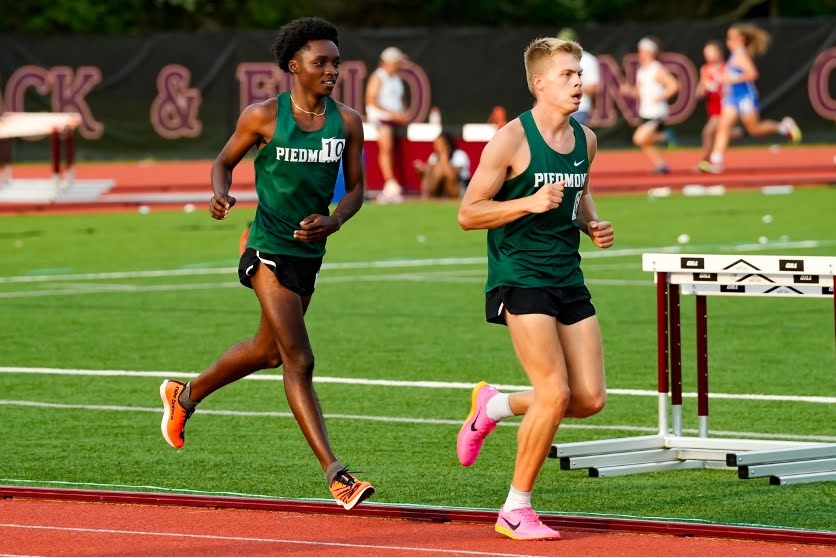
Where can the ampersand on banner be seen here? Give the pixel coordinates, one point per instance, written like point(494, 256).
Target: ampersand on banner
point(174, 110)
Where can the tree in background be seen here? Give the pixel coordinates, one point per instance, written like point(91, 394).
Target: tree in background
point(141, 16)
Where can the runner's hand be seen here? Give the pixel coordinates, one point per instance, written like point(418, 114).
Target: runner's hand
point(219, 206)
point(548, 197)
point(314, 228)
point(601, 233)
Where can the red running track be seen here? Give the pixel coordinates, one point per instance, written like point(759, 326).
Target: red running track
point(61, 528)
point(38, 524)
point(613, 171)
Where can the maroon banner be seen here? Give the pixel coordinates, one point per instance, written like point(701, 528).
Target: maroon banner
point(178, 95)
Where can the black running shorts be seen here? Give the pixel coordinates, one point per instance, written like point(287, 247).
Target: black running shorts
point(660, 124)
point(297, 274)
point(568, 304)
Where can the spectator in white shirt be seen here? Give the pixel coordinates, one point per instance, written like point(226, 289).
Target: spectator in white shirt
point(385, 107)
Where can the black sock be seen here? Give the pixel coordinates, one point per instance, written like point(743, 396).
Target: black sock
point(185, 399)
point(332, 471)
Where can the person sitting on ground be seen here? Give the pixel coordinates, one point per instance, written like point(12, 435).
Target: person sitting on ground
point(446, 171)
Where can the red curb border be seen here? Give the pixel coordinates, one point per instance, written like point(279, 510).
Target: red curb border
point(423, 513)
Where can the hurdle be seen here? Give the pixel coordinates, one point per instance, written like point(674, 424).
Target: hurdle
point(62, 186)
point(58, 125)
point(784, 462)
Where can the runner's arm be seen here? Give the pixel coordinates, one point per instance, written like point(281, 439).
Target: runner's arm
point(249, 131)
point(352, 163)
point(750, 72)
point(601, 232)
point(314, 228)
point(669, 82)
point(478, 210)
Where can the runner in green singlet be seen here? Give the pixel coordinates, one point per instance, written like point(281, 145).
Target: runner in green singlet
point(302, 136)
point(531, 192)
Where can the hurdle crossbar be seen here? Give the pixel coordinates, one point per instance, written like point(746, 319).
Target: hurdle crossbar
point(711, 275)
point(59, 126)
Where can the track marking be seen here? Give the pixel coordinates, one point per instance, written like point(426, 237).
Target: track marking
point(282, 414)
point(404, 383)
point(101, 289)
point(118, 275)
point(411, 420)
point(428, 277)
point(433, 551)
point(428, 262)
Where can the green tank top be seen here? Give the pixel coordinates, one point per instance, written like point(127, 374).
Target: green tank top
point(541, 250)
point(295, 174)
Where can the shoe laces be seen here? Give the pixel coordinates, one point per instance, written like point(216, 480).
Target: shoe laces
point(529, 517)
point(186, 411)
point(345, 477)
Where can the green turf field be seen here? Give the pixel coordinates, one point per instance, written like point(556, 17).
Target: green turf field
point(400, 299)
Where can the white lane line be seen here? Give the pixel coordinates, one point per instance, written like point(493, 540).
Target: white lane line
point(428, 277)
point(117, 275)
point(280, 414)
point(387, 264)
point(180, 534)
point(428, 262)
point(101, 289)
point(410, 420)
point(404, 383)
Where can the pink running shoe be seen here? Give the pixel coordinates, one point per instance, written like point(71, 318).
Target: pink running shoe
point(523, 525)
point(476, 426)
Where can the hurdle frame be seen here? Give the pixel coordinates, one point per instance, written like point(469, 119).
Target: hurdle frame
point(65, 137)
point(59, 126)
point(785, 462)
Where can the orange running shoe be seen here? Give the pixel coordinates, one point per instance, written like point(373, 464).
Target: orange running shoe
point(348, 490)
point(174, 415)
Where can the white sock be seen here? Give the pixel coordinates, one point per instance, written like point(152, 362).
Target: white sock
point(499, 407)
point(783, 127)
point(517, 499)
point(716, 158)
